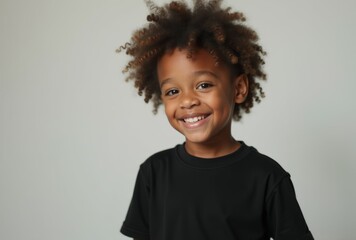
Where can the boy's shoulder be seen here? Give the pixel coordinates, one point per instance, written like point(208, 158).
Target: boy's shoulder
point(265, 167)
point(160, 157)
point(263, 162)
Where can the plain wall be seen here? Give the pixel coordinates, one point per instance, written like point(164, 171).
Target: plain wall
point(73, 133)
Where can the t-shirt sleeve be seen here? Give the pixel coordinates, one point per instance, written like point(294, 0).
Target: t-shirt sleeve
point(136, 223)
point(284, 216)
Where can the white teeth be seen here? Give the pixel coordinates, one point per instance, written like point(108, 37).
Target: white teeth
point(194, 119)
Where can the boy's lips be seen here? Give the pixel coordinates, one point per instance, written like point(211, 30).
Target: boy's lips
point(194, 120)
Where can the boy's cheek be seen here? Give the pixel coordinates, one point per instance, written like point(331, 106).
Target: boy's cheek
point(168, 111)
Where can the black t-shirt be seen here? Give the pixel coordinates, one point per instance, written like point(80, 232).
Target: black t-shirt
point(241, 196)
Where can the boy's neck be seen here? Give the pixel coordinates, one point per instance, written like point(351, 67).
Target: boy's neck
point(212, 149)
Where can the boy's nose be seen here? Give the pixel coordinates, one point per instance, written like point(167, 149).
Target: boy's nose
point(189, 101)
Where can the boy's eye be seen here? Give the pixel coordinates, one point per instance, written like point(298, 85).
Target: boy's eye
point(204, 85)
point(171, 92)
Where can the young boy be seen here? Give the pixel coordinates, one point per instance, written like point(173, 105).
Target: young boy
point(203, 64)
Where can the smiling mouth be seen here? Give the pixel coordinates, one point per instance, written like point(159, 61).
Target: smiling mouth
point(195, 119)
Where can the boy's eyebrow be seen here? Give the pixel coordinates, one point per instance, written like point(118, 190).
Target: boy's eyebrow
point(165, 81)
point(195, 74)
point(203, 72)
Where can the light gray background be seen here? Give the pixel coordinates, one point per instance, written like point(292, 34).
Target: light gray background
point(73, 133)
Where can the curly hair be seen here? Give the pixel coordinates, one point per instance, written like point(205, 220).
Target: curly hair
point(206, 25)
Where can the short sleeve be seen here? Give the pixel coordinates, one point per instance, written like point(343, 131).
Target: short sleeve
point(136, 224)
point(284, 216)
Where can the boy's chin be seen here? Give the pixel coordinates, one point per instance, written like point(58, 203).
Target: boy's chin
point(196, 139)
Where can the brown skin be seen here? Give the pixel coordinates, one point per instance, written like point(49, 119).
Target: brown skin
point(197, 87)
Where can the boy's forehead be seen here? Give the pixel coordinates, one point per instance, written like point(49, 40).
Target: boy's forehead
point(198, 61)
point(180, 65)
point(183, 58)
point(199, 56)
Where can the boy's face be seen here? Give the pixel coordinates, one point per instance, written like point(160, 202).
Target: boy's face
point(198, 96)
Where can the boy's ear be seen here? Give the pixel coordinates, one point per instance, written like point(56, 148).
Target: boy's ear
point(241, 88)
